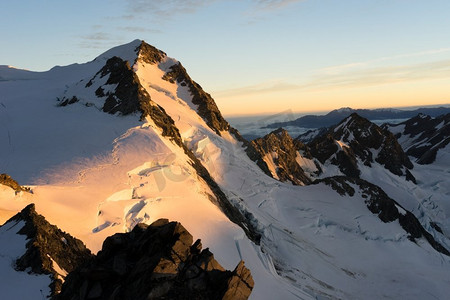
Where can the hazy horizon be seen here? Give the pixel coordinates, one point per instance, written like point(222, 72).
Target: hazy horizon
point(323, 112)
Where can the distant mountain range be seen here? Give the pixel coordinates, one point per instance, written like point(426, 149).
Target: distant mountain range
point(335, 116)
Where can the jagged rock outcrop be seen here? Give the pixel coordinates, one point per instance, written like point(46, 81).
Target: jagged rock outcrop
point(206, 107)
point(128, 96)
point(422, 136)
point(387, 209)
point(47, 245)
point(149, 53)
point(159, 261)
point(356, 138)
point(279, 150)
point(5, 179)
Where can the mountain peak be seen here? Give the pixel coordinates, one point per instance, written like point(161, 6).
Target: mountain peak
point(127, 52)
point(149, 53)
point(355, 122)
point(363, 140)
point(132, 51)
point(279, 152)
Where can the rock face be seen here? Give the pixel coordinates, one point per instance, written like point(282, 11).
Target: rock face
point(128, 96)
point(5, 179)
point(47, 245)
point(206, 107)
point(423, 136)
point(387, 209)
point(149, 54)
point(279, 150)
point(356, 138)
point(159, 261)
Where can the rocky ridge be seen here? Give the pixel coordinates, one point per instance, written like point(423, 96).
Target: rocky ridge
point(206, 107)
point(280, 149)
point(6, 180)
point(157, 261)
point(49, 251)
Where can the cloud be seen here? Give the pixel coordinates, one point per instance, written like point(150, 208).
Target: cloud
point(352, 78)
point(274, 4)
point(97, 36)
point(382, 75)
point(98, 40)
point(343, 68)
point(164, 8)
point(257, 89)
point(139, 29)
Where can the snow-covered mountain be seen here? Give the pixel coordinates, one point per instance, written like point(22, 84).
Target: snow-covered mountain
point(335, 116)
point(343, 149)
point(424, 137)
point(356, 141)
point(130, 138)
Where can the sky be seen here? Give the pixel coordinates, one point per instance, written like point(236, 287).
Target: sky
point(255, 56)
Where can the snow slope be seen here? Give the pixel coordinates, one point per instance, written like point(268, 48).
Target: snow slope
point(94, 174)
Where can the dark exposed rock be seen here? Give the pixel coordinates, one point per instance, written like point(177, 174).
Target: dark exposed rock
point(338, 183)
point(280, 143)
point(325, 148)
point(206, 107)
point(387, 209)
point(357, 138)
point(129, 96)
point(149, 54)
point(5, 179)
point(67, 101)
point(46, 243)
point(436, 227)
point(423, 136)
point(163, 121)
point(158, 261)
